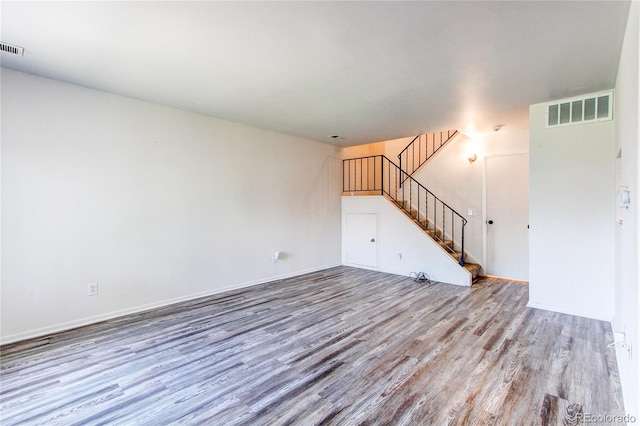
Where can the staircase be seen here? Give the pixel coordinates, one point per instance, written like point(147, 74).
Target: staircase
point(422, 148)
point(446, 242)
point(380, 176)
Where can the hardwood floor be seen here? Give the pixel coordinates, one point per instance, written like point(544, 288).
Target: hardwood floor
point(341, 346)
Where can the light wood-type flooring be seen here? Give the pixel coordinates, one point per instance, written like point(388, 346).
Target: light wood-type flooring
point(341, 346)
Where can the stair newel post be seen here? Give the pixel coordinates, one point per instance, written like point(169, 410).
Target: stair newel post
point(395, 189)
point(382, 175)
point(398, 181)
point(462, 244)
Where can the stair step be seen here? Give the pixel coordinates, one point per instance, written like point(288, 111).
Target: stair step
point(404, 205)
point(437, 233)
point(447, 243)
point(423, 223)
point(475, 270)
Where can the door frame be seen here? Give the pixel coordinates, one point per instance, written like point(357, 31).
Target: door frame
point(484, 197)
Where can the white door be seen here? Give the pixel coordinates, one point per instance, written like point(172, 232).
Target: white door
point(361, 239)
point(507, 216)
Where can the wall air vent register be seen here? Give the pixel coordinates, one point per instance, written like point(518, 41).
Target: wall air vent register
point(10, 48)
point(585, 109)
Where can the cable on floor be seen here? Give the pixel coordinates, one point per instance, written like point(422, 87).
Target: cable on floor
point(420, 277)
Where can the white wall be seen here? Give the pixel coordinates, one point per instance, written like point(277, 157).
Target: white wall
point(627, 303)
point(153, 203)
point(572, 217)
point(398, 234)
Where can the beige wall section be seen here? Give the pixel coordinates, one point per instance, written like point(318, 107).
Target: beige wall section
point(627, 302)
point(572, 217)
point(153, 203)
point(363, 150)
point(390, 149)
point(394, 147)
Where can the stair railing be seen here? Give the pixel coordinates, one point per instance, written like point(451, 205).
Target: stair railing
point(422, 148)
point(378, 175)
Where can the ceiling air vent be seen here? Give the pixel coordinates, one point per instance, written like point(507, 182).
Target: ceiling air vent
point(10, 48)
point(585, 109)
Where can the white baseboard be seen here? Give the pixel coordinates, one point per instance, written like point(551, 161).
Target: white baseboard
point(404, 274)
point(562, 310)
point(56, 328)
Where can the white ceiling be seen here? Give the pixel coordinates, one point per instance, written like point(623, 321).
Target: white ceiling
point(367, 71)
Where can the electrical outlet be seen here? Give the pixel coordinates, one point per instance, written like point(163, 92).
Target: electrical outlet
point(92, 289)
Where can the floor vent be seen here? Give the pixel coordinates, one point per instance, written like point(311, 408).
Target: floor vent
point(585, 109)
point(9, 48)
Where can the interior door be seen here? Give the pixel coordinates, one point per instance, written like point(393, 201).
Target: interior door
point(507, 216)
point(361, 239)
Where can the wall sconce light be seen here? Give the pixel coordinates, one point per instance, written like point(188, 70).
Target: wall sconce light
point(472, 158)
